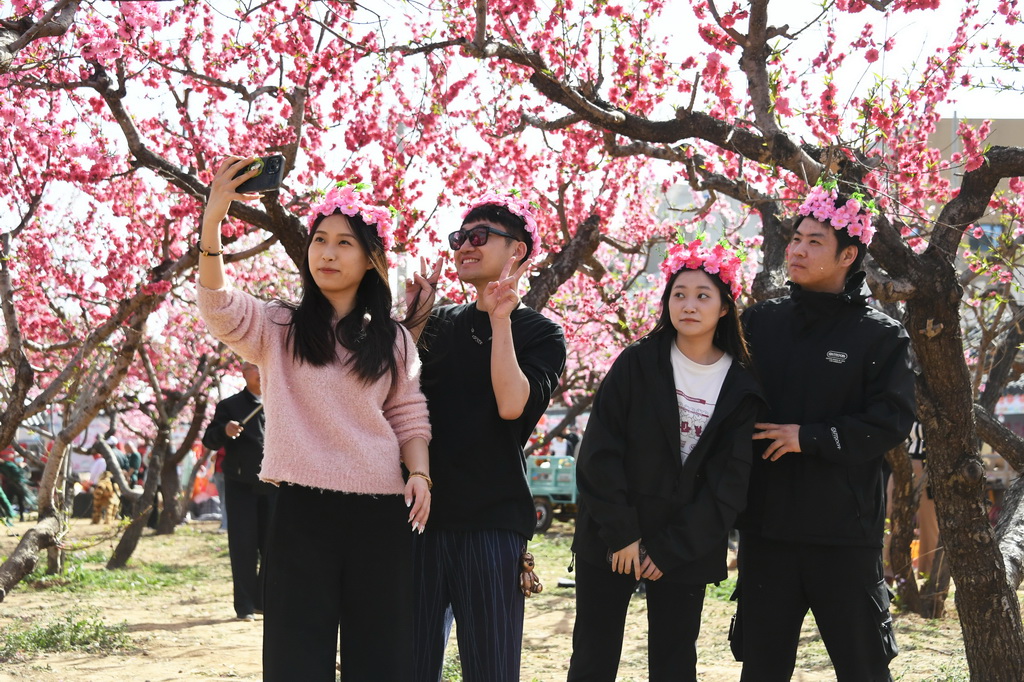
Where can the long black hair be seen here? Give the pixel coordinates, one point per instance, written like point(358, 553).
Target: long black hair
point(728, 332)
point(368, 331)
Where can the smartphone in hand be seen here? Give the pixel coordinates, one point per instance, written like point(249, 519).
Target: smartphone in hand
point(270, 177)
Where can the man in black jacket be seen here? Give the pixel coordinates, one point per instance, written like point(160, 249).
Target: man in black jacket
point(237, 426)
point(840, 391)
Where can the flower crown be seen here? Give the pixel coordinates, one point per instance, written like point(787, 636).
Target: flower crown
point(854, 216)
point(514, 202)
point(719, 260)
point(349, 200)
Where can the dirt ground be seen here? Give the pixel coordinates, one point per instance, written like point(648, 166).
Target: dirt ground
point(187, 631)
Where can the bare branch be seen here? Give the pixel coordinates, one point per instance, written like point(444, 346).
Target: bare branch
point(1000, 437)
point(557, 124)
point(733, 33)
point(661, 151)
point(972, 200)
point(480, 34)
point(15, 35)
point(754, 64)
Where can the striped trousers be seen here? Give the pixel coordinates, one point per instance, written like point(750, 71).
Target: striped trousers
point(471, 577)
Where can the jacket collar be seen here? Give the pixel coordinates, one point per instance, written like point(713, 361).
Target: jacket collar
point(814, 304)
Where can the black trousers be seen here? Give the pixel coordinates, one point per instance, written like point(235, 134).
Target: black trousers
point(673, 619)
point(338, 561)
point(251, 508)
point(17, 494)
point(844, 589)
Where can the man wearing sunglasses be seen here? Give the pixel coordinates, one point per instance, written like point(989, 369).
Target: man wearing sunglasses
point(489, 369)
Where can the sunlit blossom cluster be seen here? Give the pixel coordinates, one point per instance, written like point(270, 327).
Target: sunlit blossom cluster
point(515, 203)
point(853, 215)
point(347, 200)
point(719, 260)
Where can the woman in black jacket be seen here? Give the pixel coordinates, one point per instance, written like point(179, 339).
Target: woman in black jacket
point(663, 471)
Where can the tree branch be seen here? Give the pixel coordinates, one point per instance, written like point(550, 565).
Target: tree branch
point(1002, 439)
point(972, 200)
point(15, 35)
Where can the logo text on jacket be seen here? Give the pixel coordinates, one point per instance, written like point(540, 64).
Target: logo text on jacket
point(835, 437)
point(836, 356)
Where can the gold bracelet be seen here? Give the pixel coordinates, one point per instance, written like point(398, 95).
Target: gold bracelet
point(420, 474)
point(204, 252)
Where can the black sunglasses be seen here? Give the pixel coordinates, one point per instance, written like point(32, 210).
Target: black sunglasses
point(477, 236)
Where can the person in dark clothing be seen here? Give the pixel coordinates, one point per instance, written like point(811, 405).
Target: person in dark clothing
point(237, 426)
point(840, 390)
point(663, 471)
point(489, 369)
point(15, 485)
point(130, 461)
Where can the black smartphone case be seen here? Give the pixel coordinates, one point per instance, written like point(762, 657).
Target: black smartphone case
point(270, 177)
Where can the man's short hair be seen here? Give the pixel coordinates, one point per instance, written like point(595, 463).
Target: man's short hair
point(494, 213)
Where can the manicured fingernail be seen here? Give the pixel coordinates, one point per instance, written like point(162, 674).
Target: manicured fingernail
point(408, 502)
point(422, 528)
point(415, 525)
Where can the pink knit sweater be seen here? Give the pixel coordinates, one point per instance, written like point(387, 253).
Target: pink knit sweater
point(325, 428)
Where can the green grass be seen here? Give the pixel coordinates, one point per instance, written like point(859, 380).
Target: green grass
point(73, 631)
point(451, 671)
point(723, 590)
point(86, 571)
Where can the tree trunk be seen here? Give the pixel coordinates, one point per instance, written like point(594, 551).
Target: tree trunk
point(54, 560)
point(170, 489)
point(989, 612)
point(565, 263)
point(905, 497)
point(1010, 532)
point(936, 589)
point(23, 560)
point(143, 507)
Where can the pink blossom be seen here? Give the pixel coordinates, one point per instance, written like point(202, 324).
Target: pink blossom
point(820, 203)
point(718, 260)
point(347, 201)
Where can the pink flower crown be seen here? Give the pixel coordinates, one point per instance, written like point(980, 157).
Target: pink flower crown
point(719, 260)
point(514, 202)
point(348, 200)
point(854, 216)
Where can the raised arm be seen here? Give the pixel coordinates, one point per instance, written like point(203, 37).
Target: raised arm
point(222, 193)
point(499, 299)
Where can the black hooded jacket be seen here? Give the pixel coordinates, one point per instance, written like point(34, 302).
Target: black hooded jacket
point(632, 482)
point(841, 370)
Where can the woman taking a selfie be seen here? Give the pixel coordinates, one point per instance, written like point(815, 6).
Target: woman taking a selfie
point(663, 471)
point(343, 413)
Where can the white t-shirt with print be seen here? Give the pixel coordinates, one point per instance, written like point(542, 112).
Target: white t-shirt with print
point(697, 389)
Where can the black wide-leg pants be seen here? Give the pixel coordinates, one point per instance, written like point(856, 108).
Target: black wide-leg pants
point(338, 561)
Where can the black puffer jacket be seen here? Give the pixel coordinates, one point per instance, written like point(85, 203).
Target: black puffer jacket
point(632, 482)
point(841, 370)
